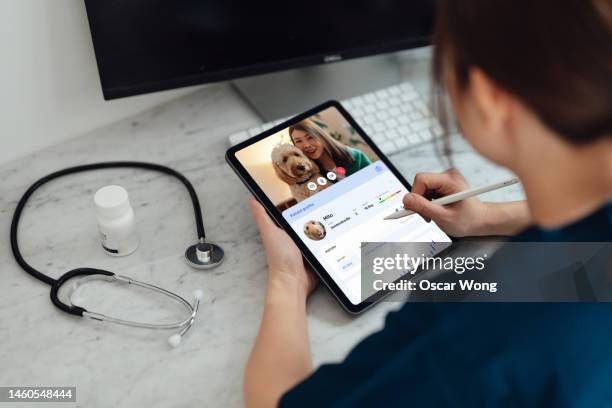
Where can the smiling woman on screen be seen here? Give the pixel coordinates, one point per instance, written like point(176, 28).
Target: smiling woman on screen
point(326, 151)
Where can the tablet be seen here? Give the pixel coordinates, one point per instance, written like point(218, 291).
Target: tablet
point(324, 181)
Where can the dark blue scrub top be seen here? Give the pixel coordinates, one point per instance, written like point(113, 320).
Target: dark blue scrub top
point(480, 354)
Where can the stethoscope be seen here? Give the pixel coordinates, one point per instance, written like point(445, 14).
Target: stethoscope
point(202, 255)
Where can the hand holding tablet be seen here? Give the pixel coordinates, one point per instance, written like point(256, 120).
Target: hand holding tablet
point(324, 182)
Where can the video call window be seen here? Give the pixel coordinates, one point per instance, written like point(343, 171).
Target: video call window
point(306, 158)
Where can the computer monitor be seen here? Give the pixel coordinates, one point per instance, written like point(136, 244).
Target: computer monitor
point(145, 46)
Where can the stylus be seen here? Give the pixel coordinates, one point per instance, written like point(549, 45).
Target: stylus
point(453, 198)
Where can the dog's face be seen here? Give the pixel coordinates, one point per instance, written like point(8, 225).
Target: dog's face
point(314, 230)
point(291, 164)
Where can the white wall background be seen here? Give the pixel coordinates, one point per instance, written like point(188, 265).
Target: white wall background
point(49, 85)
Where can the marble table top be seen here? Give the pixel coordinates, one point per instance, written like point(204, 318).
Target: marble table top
point(125, 367)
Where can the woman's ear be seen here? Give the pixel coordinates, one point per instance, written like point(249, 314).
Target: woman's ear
point(488, 116)
point(282, 175)
point(492, 103)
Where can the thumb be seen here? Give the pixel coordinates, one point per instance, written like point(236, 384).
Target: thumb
point(262, 219)
point(422, 206)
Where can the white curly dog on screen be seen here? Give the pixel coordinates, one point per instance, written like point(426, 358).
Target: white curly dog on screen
point(298, 171)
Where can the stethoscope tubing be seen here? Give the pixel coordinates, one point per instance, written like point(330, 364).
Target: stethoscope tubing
point(88, 167)
point(109, 276)
point(193, 310)
point(56, 284)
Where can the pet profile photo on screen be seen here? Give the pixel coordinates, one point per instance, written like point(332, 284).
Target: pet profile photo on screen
point(315, 230)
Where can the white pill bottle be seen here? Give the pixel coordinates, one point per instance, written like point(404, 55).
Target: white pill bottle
point(116, 221)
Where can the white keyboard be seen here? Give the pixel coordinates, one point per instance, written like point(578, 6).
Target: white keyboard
point(396, 118)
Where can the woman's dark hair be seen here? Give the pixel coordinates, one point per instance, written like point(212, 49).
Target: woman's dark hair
point(554, 55)
point(339, 153)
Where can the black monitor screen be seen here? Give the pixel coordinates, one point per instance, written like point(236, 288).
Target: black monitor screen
point(149, 45)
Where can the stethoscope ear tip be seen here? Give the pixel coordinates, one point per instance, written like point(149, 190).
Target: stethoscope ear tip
point(175, 340)
point(198, 294)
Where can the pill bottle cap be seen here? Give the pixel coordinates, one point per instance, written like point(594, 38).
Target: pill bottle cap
point(111, 202)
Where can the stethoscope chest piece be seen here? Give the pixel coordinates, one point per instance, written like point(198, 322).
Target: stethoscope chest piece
point(204, 255)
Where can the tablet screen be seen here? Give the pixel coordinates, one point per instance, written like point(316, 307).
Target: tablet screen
point(334, 191)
